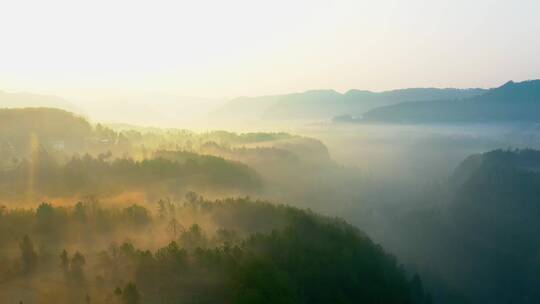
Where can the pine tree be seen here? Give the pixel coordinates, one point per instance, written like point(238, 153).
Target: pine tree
point(64, 261)
point(28, 255)
point(130, 295)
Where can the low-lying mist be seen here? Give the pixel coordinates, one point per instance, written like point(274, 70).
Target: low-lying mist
point(429, 151)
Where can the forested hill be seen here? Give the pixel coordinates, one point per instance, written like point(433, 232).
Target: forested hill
point(478, 233)
point(495, 219)
point(48, 153)
point(509, 103)
point(495, 162)
point(197, 251)
point(46, 125)
point(106, 177)
point(324, 104)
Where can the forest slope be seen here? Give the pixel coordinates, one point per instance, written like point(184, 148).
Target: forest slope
point(232, 251)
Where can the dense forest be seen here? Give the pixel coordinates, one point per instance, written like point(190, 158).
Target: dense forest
point(197, 251)
point(45, 177)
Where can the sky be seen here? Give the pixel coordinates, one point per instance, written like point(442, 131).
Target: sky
point(102, 50)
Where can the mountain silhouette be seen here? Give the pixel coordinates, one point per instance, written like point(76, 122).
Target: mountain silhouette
point(325, 104)
point(511, 102)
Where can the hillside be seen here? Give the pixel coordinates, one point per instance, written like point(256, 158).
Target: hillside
point(174, 173)
point(324, 104)
point(198, 251)
point(482, 227)
point(496, 214)
point(47, 127)
point(77, 159)
point(27, 100)
point(509, 103)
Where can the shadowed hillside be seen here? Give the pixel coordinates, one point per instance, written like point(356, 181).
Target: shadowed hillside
point(478, 234)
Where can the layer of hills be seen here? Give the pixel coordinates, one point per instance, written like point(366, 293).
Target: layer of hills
point(119, 222)
point(476, 233)
point(512, 102)
point(325, 104)
point(74, 157)
point(508, 103)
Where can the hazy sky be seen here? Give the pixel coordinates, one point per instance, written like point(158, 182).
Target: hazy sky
point(229, 48)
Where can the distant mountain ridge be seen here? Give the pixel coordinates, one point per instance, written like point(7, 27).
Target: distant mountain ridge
point(511, 102)
point(325, 104)
point(30, 100)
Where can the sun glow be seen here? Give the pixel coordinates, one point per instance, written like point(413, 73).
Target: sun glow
point(232, 48)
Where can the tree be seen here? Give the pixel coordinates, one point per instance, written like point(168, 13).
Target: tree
point(28, 255)
point(118, 291)
point(64, 261)
point(174, 228)
point(137, 215)
point(162, 211)
point(418, 295)
point(192, 197)
point(130, 295)
point(194, 237)
point(77, 263)
point(80, 212)
point(45, 216)
point(171, 207)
